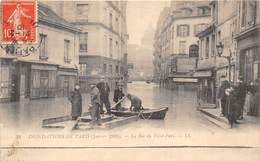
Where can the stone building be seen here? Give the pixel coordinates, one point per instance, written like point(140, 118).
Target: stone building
point(103, 41)
point(50, 70)
point(176, 41)
point(248, 38)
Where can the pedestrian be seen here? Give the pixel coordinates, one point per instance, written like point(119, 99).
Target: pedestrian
point(76, 102)
point(136, 103)
point(95, 105)
point(249, 97)
point(104, 95)
point(241, 87)
point(232, 105)
point(118, 95)
point(255, 99)
point(221, 96)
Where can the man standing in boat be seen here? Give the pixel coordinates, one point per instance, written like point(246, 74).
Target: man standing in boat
point(135, 102)
point(104, 95)
point(95, 105)
point(118, 95)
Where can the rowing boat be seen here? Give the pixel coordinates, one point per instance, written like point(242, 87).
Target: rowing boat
point(147, 113)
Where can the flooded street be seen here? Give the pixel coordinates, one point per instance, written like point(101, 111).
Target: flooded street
point(182, 114)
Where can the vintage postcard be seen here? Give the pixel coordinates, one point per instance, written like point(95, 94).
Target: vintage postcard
point(130, 80)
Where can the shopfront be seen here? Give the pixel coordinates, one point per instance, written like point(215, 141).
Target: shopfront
point(43, 81)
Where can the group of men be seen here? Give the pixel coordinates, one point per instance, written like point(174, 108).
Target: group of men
point(232, 99)
point(99, 96)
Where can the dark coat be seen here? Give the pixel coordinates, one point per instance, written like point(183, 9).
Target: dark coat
point(241, 92)
point(103, 89)
point(76, 103)
point(118, 95)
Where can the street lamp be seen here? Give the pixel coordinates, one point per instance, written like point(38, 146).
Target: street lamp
point(220, 48)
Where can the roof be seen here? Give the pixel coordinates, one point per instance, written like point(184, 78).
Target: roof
point(47, 15)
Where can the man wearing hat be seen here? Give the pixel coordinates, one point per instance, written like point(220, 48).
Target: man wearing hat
point(76, 102)
point(104, 95)
point(241, 87)
point(95, 105)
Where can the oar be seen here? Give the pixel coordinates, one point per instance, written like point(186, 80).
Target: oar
point(118, 102)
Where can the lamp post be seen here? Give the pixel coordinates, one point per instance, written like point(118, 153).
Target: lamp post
point(220, 48)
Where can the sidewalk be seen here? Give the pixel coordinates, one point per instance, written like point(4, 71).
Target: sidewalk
point(213, 115)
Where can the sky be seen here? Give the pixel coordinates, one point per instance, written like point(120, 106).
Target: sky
point(139, 15)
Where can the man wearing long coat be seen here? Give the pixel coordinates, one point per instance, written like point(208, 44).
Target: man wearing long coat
point(104, 96)
point(76, 103)
point(95, 105)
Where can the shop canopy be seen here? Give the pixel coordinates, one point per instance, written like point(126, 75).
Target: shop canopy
point(202, 74)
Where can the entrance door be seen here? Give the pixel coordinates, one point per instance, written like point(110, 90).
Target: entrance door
point(14, 88)
point(44, 81)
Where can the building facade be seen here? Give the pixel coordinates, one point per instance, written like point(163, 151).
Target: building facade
point(176, 44)
point(50, 70)
point(248, 38)
point(103, 41)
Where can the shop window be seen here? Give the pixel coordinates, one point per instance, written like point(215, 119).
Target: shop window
point(43, 47)
point(83, 41)
point(36, 79)
point(104, 68)
point(52, 79)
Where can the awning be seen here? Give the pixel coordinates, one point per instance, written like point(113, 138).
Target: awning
point(201, 74)
point(185, 80)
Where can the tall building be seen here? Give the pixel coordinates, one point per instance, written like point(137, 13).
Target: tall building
point(50, 69)
point(176, 44)
point(103, 41)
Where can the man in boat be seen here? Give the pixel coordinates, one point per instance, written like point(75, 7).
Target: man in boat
point(135, 102)
point(95, 105)
point(104, 95)
point(76, 102)
point(118, 95)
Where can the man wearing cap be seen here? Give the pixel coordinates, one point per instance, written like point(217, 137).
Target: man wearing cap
point(76, 102)
point(95, 105)
point(104, 95)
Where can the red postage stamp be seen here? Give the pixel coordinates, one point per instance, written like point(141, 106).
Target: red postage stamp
point(18, 21)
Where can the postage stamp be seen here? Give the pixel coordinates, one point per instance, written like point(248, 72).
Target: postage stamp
point(18, 21)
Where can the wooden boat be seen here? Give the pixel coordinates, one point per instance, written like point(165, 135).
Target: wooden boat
point(147, 113)
point(108, 122)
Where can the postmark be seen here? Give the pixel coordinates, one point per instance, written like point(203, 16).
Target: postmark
point(18, 21)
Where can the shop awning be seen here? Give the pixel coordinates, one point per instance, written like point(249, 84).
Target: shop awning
point(185, 80)
point(199, 74)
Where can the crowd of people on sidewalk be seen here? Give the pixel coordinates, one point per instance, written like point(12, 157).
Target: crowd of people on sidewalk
point(238, 99)
point(99, 96)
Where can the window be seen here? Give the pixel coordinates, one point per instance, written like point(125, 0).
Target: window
point(35, 79)
point(110, 69)
point(82, 69)
point(43, 47)
point(182, 47)
point(244, 6)
point(104, 68)
point(203, 11)
point(110, 48)
point(207, 48)
point(82, 9)
point(111, 20)
point(83, 41)
point(199, 27)
point(67, 58)
point(117, 69)
point(183, 30)
point(251, 15)
point(117, 48)
point(117, 24)
point(213, 45)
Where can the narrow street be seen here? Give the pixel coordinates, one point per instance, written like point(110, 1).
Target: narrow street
point(182, 114)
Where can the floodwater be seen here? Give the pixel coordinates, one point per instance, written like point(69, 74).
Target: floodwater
point(182, 114)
